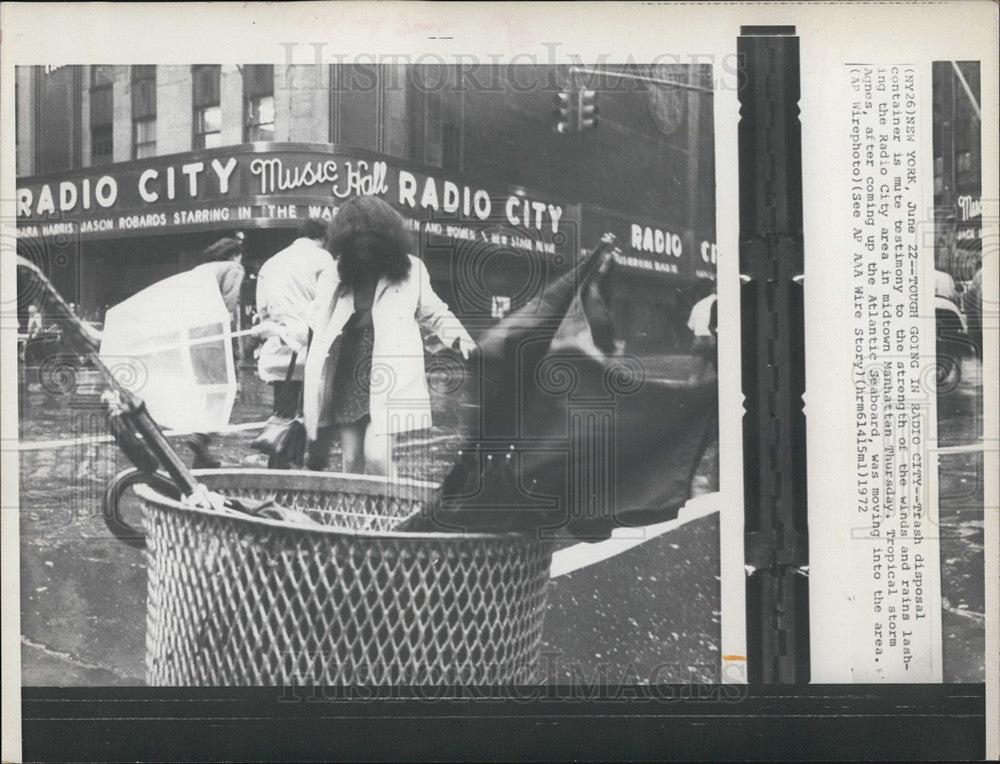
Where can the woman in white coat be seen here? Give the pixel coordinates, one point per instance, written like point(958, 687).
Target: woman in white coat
point(364, 374)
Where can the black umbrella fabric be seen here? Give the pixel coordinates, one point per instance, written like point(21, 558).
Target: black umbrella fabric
point(570, 437)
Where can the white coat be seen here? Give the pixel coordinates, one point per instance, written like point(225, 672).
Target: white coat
point(399, 399)
point(286, 288)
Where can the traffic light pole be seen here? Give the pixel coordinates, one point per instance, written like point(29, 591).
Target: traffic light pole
point(640, 78)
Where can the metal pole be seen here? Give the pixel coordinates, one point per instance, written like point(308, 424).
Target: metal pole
point(640, 78)
point(968, 90)
point(693, 169)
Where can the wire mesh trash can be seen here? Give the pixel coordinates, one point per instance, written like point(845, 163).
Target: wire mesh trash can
point(240, 600)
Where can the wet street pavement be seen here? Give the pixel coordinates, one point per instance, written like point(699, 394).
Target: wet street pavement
point(647, 615)
point(960, 488)
point(650, 615)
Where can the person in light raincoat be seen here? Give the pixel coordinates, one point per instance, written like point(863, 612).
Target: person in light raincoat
point(286, 288)
point(703, 323)
point(364, 373)
point(35, 322)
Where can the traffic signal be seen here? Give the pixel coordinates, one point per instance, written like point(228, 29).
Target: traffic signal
point(566, 111)
point(586, 115)
point(576, 110)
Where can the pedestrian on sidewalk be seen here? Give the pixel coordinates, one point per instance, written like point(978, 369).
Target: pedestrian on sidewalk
point(286, 288)
point(364, 373)
point(703, 323)
point(35, 322)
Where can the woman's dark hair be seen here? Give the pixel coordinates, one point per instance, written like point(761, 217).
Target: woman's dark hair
point(223, 249)
point(367, 235)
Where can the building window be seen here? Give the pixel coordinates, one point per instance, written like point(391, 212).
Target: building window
point(258, 102)
point(207, 127)
point(260, 118)
point(101, 114)
point(101, 144)
point(143, 111)
point(207, 114)
point(143, 138)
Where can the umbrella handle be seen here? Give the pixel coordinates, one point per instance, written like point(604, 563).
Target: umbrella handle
point(122, 530)
point(134, 447)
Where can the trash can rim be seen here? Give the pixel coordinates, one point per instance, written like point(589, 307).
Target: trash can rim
point(146, 493)
point(415, 487)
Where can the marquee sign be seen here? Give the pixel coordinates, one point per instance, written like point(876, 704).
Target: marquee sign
point(275, 185)
point(652, 246)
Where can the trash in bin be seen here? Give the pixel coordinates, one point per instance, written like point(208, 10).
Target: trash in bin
point(241, 600)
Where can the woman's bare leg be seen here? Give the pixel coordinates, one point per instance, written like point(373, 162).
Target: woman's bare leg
point(378, 453)
point(352, 443)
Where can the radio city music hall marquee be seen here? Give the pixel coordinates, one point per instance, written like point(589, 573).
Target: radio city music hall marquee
point(246, 187)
